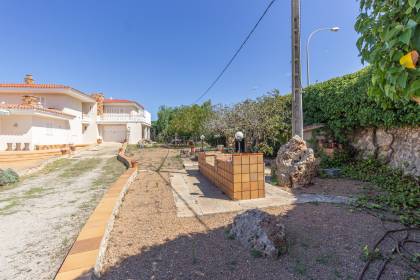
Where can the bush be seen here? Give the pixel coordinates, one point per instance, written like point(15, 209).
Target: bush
point(344, 104)
point(400, 193)
point(8, 176)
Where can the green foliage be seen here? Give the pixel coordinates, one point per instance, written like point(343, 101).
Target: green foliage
point(8, 176)
point(183, 121)
point(339, 158)
point(388, 30)
point(256, 253)
point(265, 121)
point(343, 104)
point(400, 193)
point(370, 255)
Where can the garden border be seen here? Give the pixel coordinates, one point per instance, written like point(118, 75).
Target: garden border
point(86, 256)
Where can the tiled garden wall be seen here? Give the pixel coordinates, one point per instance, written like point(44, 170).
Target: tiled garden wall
point(239, 176)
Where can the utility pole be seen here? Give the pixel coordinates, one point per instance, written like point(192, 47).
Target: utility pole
point(297, 113)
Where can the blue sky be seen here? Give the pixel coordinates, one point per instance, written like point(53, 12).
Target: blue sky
point(168, 52)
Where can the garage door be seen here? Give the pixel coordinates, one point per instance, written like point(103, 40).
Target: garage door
point(114, 133)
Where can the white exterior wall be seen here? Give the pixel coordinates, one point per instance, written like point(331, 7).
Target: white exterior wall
point(48, 131)
point(15, 129)
point(91, 134)
point(71, 106)
point(148, 117)
point(66, 104)
point(135, 133)
point(82, 129)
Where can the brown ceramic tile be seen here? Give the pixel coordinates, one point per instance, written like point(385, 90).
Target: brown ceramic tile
point(245, 186)
point(245, 159)
point(253, 159)
point(85, 245)
point(253, 168)
point(253, 177)
point(237, 196)
point(79, 274)
point(92, 232)
point(246, 195)
point(80, 260)
point(245, 178)
point(254, 194)
point(245, 168)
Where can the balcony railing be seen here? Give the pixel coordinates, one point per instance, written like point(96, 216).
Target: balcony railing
point(122, 118)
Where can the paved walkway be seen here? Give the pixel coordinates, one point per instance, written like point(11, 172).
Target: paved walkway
point(41, 216)
point(194, 195)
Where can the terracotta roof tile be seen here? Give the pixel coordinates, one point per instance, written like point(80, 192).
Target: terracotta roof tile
point(31, 107)
point(32, 86)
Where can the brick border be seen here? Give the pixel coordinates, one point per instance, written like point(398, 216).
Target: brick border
point(86, 257)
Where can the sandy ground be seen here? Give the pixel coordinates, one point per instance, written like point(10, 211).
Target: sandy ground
point(149, 241)
point(41, 216)
point(21, 166)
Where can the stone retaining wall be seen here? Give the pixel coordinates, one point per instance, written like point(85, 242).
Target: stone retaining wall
point(239, 176)
point(400, 147)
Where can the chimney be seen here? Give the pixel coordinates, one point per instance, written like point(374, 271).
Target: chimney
point(99, 97)
point(29, 80)
point(30, 100)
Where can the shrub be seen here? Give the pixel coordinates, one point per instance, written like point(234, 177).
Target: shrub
point(399, 193)
point(344, 104)
point(8, 176)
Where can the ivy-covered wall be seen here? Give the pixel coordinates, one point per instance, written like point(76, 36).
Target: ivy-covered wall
point(344, 105)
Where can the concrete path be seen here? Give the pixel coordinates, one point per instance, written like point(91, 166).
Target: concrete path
point(41, 216)
point(194, 195)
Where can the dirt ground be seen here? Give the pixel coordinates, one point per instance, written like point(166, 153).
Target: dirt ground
point(150, 242)
point(41, 216)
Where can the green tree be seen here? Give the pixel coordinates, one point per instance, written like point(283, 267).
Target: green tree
point(389, 29)
point(161, 126)
point(183, 121)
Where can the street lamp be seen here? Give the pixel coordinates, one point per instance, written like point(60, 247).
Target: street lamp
point(332, 29)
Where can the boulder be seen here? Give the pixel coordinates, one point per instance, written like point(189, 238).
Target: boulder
point(260, 232)
point(296, 164)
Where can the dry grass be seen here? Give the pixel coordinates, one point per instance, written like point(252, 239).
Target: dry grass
point(111, 171)
point(80, 167)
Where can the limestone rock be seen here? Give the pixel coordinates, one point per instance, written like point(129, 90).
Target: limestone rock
point(260, 231)
point(364, 142)
point(296, 164)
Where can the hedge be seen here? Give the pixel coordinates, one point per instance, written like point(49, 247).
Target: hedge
point(343, 104)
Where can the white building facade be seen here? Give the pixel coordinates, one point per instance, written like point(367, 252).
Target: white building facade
point(33, 115)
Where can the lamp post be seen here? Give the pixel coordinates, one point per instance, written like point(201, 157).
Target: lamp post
point(332, 29)
point(239, 136)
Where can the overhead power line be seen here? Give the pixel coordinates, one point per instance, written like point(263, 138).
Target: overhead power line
point(236, 53)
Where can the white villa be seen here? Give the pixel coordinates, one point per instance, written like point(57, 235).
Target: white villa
point(34, 115)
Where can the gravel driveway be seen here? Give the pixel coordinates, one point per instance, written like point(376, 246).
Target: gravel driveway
point(41, 216)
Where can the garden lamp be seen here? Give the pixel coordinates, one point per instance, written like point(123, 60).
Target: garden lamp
point(239, 136)
point(202, 137)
